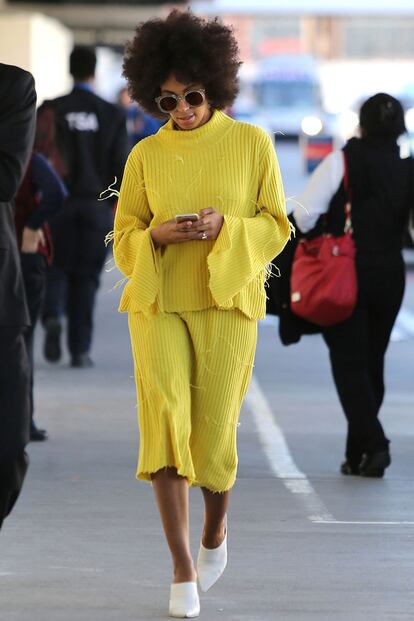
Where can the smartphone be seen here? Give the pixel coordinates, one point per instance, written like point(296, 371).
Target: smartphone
point(186, 217)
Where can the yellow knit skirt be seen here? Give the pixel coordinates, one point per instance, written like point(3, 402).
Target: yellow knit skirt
point(192, 372)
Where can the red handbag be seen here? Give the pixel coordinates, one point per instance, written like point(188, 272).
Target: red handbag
point(323, 281)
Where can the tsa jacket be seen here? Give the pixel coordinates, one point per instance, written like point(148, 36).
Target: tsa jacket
point(92, 137)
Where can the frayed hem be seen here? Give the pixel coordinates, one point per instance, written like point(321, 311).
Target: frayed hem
point(192, 482)
point(146, 475)
point(215, 491)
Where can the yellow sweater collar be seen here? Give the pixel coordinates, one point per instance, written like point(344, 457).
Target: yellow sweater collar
point(218, 124)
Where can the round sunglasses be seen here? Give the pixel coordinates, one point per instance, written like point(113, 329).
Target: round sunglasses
point(169, 103)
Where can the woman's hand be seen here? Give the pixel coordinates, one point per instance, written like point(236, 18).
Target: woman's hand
point(206, 228)
point(209, 225)
point(31, 240)
point(172, 232)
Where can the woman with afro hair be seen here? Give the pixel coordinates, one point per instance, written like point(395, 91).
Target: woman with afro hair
point(201, 214)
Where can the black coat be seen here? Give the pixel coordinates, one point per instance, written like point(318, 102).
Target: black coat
point(93, 142)
point(382, 191)
point(17, 127)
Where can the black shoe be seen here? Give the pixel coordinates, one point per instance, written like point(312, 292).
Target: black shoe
point(37, 435)
point(81, 361)
point(374, 464)
point(52, 349)
point(346, 468)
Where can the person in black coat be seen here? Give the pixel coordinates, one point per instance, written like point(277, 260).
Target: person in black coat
point(381, 193)
point(92, 137)
point(17, 127)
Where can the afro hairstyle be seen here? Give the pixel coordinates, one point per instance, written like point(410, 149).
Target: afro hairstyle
point(192, 49)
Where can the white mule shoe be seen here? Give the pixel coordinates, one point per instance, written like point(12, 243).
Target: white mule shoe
point(184, 600)
point(211, 563)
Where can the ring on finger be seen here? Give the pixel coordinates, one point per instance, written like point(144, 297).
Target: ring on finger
point(204, 235)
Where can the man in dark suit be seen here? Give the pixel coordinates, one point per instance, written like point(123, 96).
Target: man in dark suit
point(17, 126)
point(93, 141)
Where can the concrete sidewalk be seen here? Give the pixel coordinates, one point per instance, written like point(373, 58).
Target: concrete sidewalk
point(85, 543)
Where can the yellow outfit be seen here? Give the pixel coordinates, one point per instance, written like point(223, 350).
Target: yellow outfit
point(192, 372)
point(231, 166)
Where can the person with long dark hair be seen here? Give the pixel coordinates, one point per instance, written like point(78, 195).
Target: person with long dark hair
point(381, 194)
point(200, 215)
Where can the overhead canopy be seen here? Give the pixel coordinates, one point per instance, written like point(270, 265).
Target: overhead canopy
point(305, 7)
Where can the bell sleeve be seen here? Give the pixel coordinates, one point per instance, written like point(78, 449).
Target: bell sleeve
point(134, 251)
point(246, 245)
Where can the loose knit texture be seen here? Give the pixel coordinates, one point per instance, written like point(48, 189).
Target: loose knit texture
point(192, 372)
point(224, 164)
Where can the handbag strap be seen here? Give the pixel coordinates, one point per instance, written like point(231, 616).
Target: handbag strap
point(348, 205)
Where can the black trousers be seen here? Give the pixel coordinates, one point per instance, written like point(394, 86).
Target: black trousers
point(14, 415)
point(357, 349)
point(34, 269)
point(78, 232)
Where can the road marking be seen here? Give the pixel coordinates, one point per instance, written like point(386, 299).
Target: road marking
point(280, 458)
point(363, 523)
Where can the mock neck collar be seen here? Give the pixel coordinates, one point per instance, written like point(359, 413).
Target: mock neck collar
point(210, 131)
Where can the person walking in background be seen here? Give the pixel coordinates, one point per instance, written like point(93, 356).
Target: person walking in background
point(139, 124)
point(17, 127)
point(381, 192)
point(200, 215)
point(93, 142)
point(40, 196)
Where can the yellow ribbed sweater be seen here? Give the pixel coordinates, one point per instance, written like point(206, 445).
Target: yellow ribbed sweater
point(225, 164)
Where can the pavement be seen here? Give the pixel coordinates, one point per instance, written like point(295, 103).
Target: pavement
point(84, 542)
